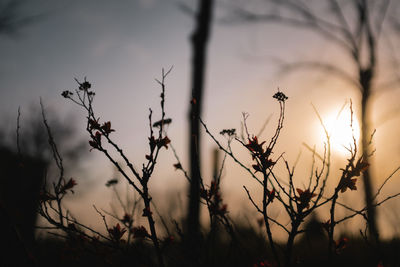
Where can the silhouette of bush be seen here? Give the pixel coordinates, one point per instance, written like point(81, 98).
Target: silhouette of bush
point(226, 241)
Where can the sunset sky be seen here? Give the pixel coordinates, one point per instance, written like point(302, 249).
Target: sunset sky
point(122, 46)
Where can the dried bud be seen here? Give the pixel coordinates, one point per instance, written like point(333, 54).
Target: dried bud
point(112, 182)
point(116, 232)
point(281, 97)
point(228, 132)
point(139, 232)
point(162, 122)
point(178, 166)
point(67, 94)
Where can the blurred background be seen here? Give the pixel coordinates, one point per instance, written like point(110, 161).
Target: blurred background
point(121, 47)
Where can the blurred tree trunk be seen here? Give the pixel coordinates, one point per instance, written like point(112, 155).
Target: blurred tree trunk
point(199, 41)
point(22, 177)
point(365, 141)
point(20, 182)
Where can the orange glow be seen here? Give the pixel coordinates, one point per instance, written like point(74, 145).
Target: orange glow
point(341, 129)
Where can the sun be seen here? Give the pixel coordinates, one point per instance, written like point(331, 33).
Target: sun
point(341, 128)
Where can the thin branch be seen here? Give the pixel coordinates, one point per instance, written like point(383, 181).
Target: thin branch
point(18, 134)
point(320, 66)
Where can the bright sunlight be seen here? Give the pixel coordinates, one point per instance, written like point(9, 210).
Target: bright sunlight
point(338, 125)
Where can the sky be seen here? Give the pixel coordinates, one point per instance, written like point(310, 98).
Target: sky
point(122, 46)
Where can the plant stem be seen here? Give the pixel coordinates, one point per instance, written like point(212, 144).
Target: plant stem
point(153, 233)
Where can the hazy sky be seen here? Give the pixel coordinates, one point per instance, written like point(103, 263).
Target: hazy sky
point(121, 47)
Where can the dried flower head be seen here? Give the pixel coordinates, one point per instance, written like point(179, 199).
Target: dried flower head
point(139, 232)
point(164, 142)
point(304, 198)
point(67, 94)
point(270, 195)
point(85, 86)
point(228, 132)
point(68, 186)
point(106, 127)
point(281, 97)
point(116, 232)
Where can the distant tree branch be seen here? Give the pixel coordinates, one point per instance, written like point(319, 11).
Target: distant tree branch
point(304, 19)
point(319, 66)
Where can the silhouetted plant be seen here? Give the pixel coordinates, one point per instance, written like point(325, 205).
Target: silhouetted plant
point(100, 134)
point(298, 202)
point(355, 28)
